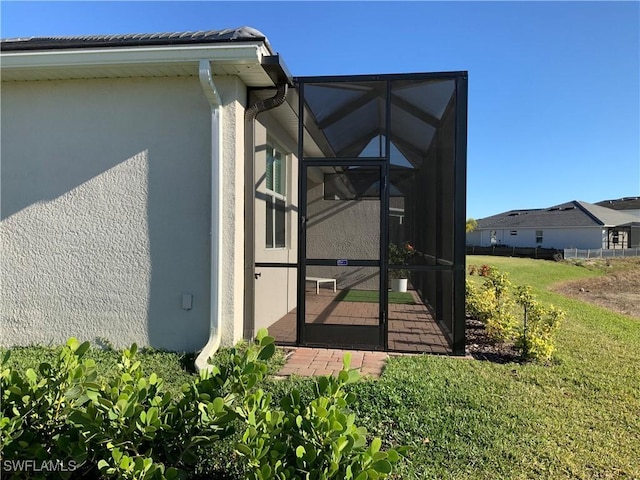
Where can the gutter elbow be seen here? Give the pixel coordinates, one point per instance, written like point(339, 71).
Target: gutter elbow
point(212, 346)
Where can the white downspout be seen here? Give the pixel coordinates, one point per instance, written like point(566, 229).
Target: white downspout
point(210, 91)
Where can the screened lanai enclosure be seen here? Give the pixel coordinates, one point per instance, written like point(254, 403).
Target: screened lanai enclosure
point(370, 213)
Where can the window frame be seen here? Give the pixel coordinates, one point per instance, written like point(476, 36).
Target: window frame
point(272, 197)
point(539, 236)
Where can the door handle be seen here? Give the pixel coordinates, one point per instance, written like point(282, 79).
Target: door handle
point(257, 275)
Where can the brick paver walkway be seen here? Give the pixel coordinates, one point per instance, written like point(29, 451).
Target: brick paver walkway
point(309, 362)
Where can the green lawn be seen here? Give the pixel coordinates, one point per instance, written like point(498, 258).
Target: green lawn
point(578, 417)
point(466, 419)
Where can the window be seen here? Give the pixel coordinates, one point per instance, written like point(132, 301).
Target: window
point(615, 238)
point(538, 236)
point(276, 179)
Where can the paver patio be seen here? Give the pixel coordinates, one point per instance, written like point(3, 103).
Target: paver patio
point(412, 328)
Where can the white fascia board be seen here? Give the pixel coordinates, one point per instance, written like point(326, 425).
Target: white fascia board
point(246, 53)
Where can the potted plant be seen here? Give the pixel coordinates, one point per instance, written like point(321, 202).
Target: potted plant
point(400, 255)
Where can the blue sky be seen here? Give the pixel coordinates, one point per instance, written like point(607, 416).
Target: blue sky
point(554, 87)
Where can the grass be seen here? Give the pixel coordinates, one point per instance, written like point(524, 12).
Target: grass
point(576, 418)
point(174, 368)
point(372, 296)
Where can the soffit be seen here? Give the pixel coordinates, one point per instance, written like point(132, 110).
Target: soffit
point(243, 61)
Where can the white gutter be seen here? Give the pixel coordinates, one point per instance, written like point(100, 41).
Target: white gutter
point(210, 91)
point(163, 61)
point(247, 53)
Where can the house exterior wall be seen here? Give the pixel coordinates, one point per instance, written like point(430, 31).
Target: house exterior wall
point(234, 98)
point(579, 237)
point(106, 211)
point(275, 288)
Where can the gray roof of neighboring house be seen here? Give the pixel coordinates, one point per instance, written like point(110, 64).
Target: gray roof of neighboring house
point(241, 34)
point(626, 203)
point(570, 214)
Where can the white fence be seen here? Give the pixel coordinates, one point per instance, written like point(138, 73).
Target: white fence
point(601, 252)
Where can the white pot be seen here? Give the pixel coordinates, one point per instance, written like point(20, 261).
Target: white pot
point(399, 284)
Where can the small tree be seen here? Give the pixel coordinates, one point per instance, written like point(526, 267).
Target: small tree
point(472, 224)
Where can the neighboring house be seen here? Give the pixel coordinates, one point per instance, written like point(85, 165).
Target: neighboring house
point(630, 205)
point(573, 224)
point(177, 190)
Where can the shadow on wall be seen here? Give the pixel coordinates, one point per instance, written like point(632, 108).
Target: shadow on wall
point(105, 212)
point(179, 206)
point(348, 278)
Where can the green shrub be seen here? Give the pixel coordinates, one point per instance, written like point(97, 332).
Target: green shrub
point(494, 304)
point(315, 440)
point(129, 426)
point(480, 303)
point(35, 408)
point(536, 338)
point(501, 323)
point(126, 426)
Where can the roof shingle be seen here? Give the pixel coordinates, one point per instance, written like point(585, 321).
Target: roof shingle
point(130, 40)
point(570, 214)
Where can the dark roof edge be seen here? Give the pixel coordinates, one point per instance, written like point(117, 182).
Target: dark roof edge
point(241, 34)
point(621, 204)
point(372, 77)
point(275, 67)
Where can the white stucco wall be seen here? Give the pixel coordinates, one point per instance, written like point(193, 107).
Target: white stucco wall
point(578, 237)
point(106, 211)
point(275, 288)
point(233, 93)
